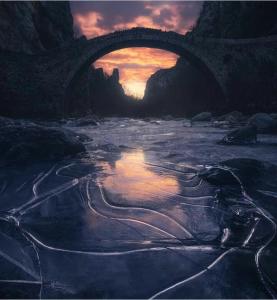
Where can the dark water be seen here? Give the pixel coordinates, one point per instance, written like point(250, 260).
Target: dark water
point(132, 219)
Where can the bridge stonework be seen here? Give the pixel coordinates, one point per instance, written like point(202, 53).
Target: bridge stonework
point(230, 64)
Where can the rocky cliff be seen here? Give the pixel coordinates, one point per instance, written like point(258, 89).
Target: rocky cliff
point(107, 92)
point(180, 90)
point(237, 19)
point(98, 92)
point(27, 29)
point(35, 26)
point(183, 89)
point(107, 95)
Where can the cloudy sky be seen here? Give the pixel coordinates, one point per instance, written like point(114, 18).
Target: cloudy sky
point(135, 64)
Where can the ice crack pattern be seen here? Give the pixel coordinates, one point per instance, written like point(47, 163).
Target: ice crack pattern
point(130, 222)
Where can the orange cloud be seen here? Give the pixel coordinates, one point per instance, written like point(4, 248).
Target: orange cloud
point(136, 65)
point(163, 16)
point(88, 24)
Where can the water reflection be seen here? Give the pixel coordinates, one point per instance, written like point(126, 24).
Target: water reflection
point(133, 179)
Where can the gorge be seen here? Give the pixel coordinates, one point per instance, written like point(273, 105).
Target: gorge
point(104, 195)
point(231, 67)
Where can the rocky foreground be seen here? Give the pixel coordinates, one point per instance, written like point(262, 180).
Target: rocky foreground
point(34, 141)
point(26, 142)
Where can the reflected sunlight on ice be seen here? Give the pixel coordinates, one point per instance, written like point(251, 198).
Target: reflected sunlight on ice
point(133, 179)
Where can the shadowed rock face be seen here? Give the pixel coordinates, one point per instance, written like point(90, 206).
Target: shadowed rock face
point(184, 88)
point(237, 19)
point(30, 28)
point(181, 90)
point(22, 142)
point(252, 174)
point(106, 92)
point(34, 26)
point(100, 93)
point(240, 136)
point(264, 123)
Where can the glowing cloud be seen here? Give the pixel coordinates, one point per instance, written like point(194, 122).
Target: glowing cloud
point(88, 24)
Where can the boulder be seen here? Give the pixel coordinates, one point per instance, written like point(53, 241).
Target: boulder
point(25, 142)
point(168, 118)
point(274, 116)
point(204, 116)
point(155, 122)
point(264, 123)
point(7, 122)
point(241, 136)
point(222, 124)
point(182, 90)
point(87, 121)
point(252, 173)
point(234, 116)
point(229, 120)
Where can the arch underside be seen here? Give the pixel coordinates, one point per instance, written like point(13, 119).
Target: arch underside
point(94, 50)
point(157, 44)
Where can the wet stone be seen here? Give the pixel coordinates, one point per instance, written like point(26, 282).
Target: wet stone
point(241, 136)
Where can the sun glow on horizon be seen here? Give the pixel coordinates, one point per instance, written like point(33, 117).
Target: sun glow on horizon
point(134, 88)
point(135, 66)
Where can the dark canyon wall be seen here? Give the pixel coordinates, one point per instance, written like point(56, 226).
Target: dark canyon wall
point(252, 82)
point(253, 86)
point(237, 19)
point(99, 93)
point(31, 27)
point(26, 30)
point(180, 90)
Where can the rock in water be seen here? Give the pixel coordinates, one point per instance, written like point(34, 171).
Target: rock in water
point(257, 178)
point(167, 117)
point(25, 142)
point(204, 116)
point(7, 122)
point(229, 120)
point(241, 136)
point(274, 116)
point(234, 118)
point(252, 173)
point(264, 123)
point(87, 121)
point(234, 115)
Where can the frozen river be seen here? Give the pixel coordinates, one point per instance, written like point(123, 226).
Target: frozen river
point(131, 218)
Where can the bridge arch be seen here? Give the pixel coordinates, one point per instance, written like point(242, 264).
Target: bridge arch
point(93, 49)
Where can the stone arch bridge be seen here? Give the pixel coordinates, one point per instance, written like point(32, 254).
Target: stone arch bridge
point(49, 76)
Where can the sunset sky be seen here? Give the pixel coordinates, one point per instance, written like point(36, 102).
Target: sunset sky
point(135, 64)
